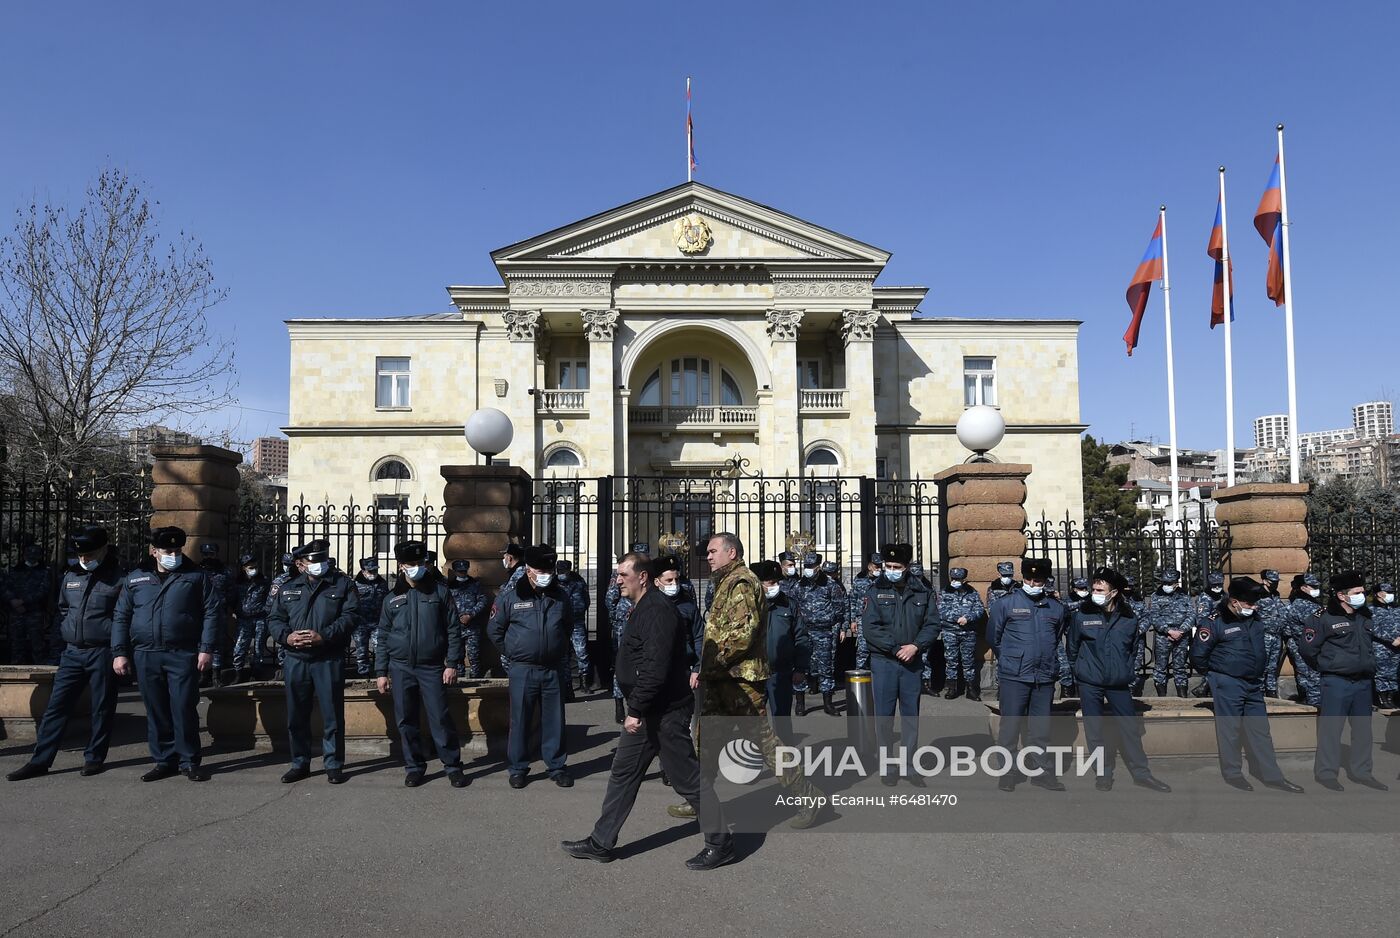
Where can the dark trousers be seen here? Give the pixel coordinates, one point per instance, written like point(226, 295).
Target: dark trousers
point(169, 683)
point(667, 735)
point(423, 686)
point(78, 667)
point(1024, 702)
point(536, 687)
point(895, 682)
point(325, 681)
point(780, 704)
point(1125, 735)
point(1344, 700)
point(1239, 706)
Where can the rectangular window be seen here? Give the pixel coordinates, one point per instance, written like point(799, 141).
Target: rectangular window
point(809, 373)
point(881, 467)
point(979, 381)
point(823, 514)
point(391, 383)
point(390, 522)
point(573, 374)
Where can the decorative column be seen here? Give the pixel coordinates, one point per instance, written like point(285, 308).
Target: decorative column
point(523, 328)
point(195, 488)
point(783, 451)
point(1268, 528)
point(983, 517)
point(858, 332)
point(600, 325)
point(485, 509)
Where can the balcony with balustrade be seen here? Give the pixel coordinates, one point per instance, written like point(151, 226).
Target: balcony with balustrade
point(561, 402)
point(704, 418)
point(821, 401)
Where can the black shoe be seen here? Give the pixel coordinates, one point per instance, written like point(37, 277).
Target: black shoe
point(295, 774)
point(1240, 782)
point(194, 773)
point(240, 676)
point(712, 858)
point(458, 778)
point(206, 678)
point(954, 691)
point(1104, 783)
point(563, 779)
point(973, 691)
point(665, 779)
point(1048, 782)
point(889, 781)
point(1071, 689)
point(1331, 784)
point(1284, 784)
point(92, 768)
point(587, 849)
point(159, 771)
point(218, 677)
point(1152, 783)
point(29, 770)
point(1202, 691)
point(517, 781)
point(1387, 700)
point(926, 688)
point(413, 780)
point(335, 776)
point(619, 710)
point(1370, 781)
point(569, 694)
point(800, 704)
point(828, 707)
point(1181, 690)
point(1271, 694)
point(1161, 689)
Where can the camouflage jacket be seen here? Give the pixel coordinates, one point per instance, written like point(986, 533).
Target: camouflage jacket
point(372, 593)
point(1273, 613)
point(577, 590)
point(279, 581)
point(855, 606)
point(997, 591)
point(1166, 611)
point(619, 606)
point(1298, 611)
point(468, 598)
point(736, 639)
point(821, 603)
point(1206, 602)
point(957, 604)
point(1385, 624)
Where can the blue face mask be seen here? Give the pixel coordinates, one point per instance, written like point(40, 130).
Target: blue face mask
point(1032, 591)
point(169, 561)
point(894, 576)
point(414, 573)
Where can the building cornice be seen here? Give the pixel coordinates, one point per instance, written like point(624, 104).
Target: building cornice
point(329, 329)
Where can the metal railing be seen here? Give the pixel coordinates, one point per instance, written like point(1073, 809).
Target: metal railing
point(702, 417)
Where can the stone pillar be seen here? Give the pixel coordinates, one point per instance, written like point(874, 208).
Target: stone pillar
point(195, 488)
point(982, 520)
point(783, 451)
point(602, 442)
point(1268, 528)
point(485, 508)
point(523, 327)
point(858, 331)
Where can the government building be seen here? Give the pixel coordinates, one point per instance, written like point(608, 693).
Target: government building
point(679, 336)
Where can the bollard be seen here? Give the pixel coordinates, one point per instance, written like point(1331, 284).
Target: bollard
point(860, 724)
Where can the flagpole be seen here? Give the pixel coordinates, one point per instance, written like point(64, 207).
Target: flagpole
point(1229, 353)
point(689, 169)
point(1171, 374)
point(1288, 320)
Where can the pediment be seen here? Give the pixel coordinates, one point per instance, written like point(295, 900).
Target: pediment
point(738, 230)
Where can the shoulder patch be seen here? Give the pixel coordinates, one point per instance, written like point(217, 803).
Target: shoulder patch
point(1204, 634)
point(1320, 611)
point(1309, 634)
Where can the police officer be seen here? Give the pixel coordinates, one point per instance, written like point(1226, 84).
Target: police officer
point(1385, 629)
point(962, 616)
point(1138, 604)
point(418, 640)
point(530, 625)
point(1079, 592)
point(293, 564)
point(860, 585)
point(511, 559)
point(1272, 612)
point(666, 577)
point(792, 578)
point(833, 573)
point(821, 604)
point(218, 574)
point(249, 602)
point(619, 607)
point(1214, 593)
point(1228, 648)
point(900, 622)
point(87, 601)
point(371, 589)
point(577, 589)
point(1100, 640)
point(469, 604)
point(1337, 641)
point(789, 649)
point(27, 588)
point(1024, 629)
point(169, 614)
point(1305, 600)
point(1167, 615)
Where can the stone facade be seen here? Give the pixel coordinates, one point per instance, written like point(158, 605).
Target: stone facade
point(772, 344)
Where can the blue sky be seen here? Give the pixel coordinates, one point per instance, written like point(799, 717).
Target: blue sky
point(352, 159)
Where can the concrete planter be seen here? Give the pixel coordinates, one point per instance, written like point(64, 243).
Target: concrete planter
point(246, 716)
point(1174, 726)
point(24, 693)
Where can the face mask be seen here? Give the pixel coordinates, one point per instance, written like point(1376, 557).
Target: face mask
point(89, 565)
point(955, 584)
point(772, 591)
point(1384, 597)
point(673, 590)
point(1032, 591)
point(169, 561)
point(1081, 594)
point(789, 571)
point(544, 579)
point(1216, 590)
point(414, 573)
point(1169, 590)
point(808, 573)
point(1311, 592)
point(32, 563)
point(318, 569)
point(251, 571)
point(505, 563)
point(1356, 600)
point(1100, 599)
point(1246, 613)
point(894, 576)
point(1006, 581)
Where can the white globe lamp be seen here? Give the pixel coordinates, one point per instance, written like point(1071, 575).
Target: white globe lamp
point(489, 432)
point(980, 429)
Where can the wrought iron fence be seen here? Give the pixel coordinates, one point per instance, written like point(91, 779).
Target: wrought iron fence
point(35, 512)
point(1366, 542)
point(353, 530)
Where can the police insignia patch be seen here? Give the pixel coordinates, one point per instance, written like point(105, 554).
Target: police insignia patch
point(1204, 635)
point(1309, 635)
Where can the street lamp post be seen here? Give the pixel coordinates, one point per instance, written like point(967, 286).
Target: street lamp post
point(980, 429)
point(489, 432)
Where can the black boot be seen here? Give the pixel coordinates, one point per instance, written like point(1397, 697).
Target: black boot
point(240, 675)
point(800, 703)
point(1181, 690)
point(1160, 687)
point(619, 710)
point(1387, 699)
point(954, 691)
point(1071, 689)
point(828, 707)
point(927, 688)
point(974, 691)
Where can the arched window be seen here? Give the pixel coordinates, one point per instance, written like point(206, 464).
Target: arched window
point(692, 382)
point(821, 456)
point(651, 391)
point(563, 458)
point(823, 496)
point(392, 469)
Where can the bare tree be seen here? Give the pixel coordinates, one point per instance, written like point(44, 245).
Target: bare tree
point(104, 326)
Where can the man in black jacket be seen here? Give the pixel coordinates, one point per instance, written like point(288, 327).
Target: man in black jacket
point(418, 639)
point(313, 617)
point(87, 600)
point(1101, 639)
point(653, 671)
point(530, 624)
point(1337, 642)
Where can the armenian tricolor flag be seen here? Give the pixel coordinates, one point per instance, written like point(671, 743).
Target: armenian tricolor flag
point(689, 127)
point(1268, 221)
point(1216, 249)
point(1148, 270)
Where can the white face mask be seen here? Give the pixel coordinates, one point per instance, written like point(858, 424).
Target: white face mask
point(1246, 613)
point(169, 561)
point(1217, 590)
point(1100, 599)
point(505, 563)
point(955, 584)
point(1168, 589)
point(673, 590)
point(1356, 600)
point(772, 591)
point(1311, 592)
point(809, 572)
point(1032, 591)
point(414, 573)
point(789, 571)
point(318, 568)
point(1384, 597)
point(1006, 581)
point(88, 565)
point(544, 579)
point(894, 576)
point(251, 571)
point(1081, 594)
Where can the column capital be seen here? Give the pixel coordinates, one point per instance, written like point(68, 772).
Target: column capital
point(858, 325)
point(783, 323)
point(522, 325)
point(600, 324)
